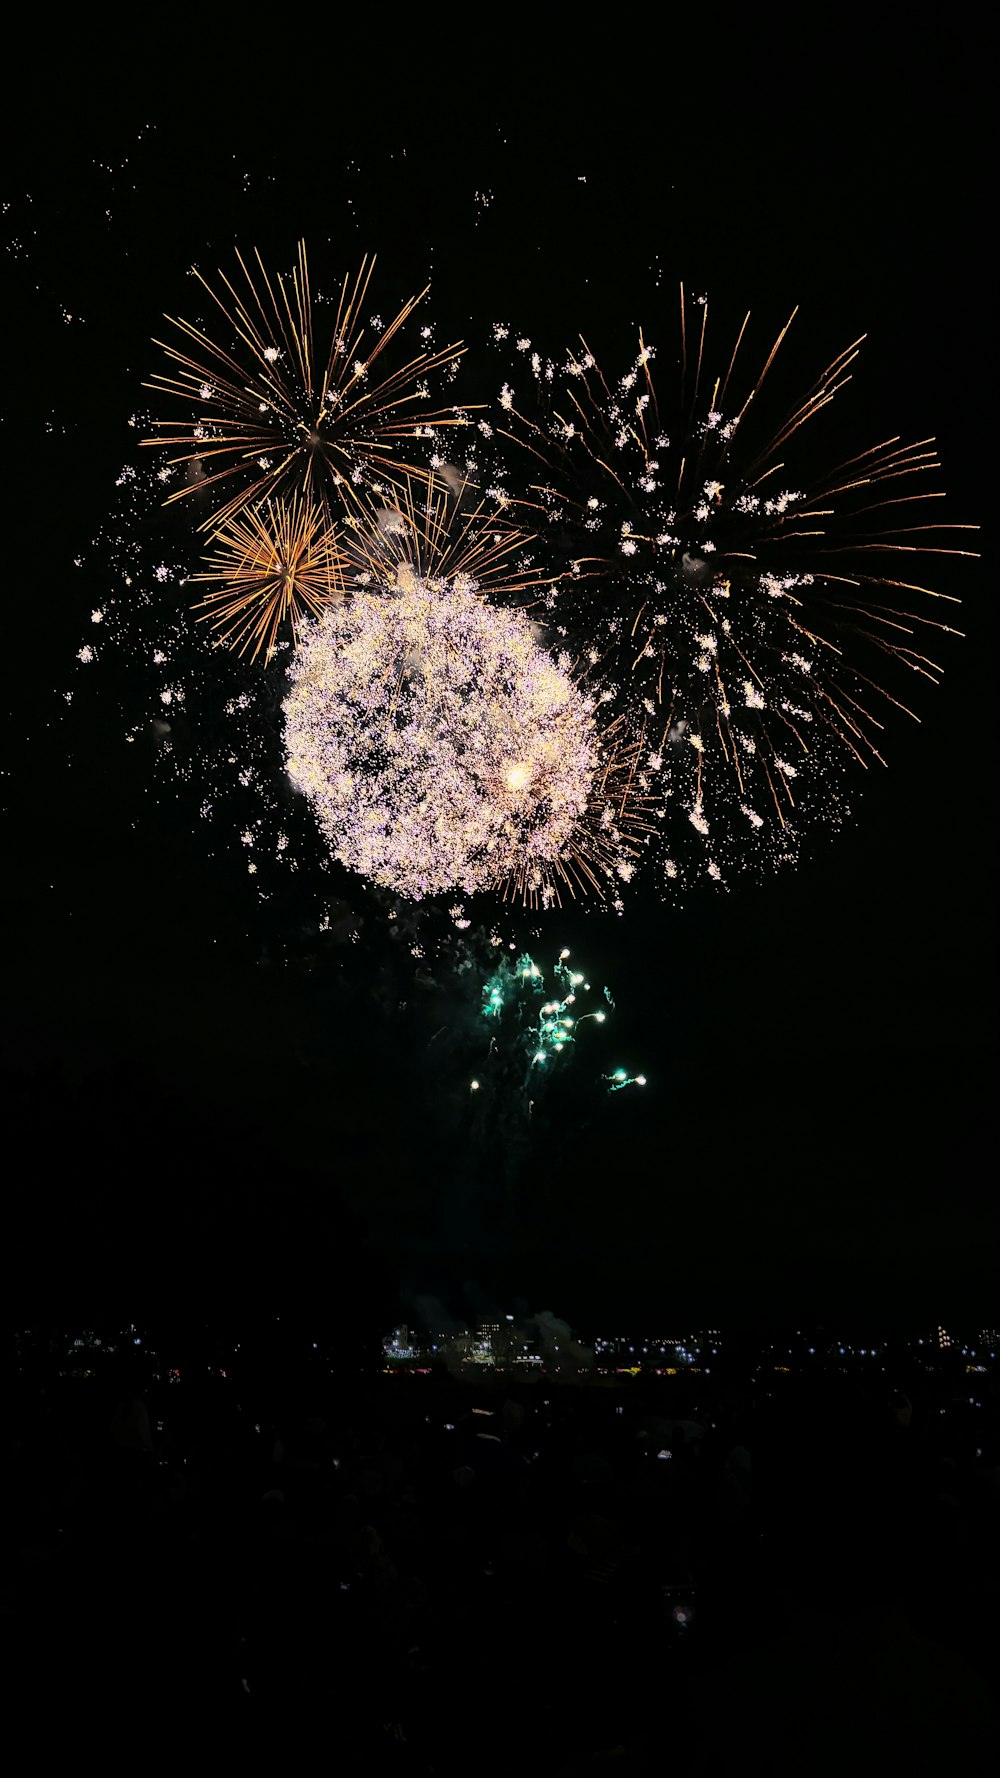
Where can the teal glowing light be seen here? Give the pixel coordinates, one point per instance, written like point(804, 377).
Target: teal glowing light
point(542, 1029)
point(621, 1078)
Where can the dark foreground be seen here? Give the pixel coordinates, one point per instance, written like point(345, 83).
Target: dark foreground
point(460, 1576)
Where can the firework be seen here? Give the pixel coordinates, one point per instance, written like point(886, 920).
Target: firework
point(754, 624)
point(447, 542)
point(275, 565)
point(262, 415)
point(620, 1077)
point(520, 984)
point(528, 1032)
point(443, 748)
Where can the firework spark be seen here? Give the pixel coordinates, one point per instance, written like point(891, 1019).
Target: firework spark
point(447, 543)
point(264, 416)
point(753, 622)
point(530, 1034)
point(442, 748)
point(275, 565)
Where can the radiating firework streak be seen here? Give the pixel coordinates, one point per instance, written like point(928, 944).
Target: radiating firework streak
point(275, 565)
point(272, 418)
point(740, 611)
point(404, 535)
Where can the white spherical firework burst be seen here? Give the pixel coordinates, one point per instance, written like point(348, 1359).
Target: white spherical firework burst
point(442, 748)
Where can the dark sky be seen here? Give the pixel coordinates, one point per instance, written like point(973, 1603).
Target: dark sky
point(186, 1119)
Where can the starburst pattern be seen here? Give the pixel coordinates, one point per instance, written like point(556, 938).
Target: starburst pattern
point(761, 628)
point(275, 565)
point(450, 540)
point(261, 414)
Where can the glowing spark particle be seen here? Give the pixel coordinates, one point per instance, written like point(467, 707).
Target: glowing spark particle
point(621, 1078)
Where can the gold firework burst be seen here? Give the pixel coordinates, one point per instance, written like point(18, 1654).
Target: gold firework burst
point(443, 535)
point(275, 564)
point(266, 417)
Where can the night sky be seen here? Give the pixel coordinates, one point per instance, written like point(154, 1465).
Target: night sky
point(201, 1107)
